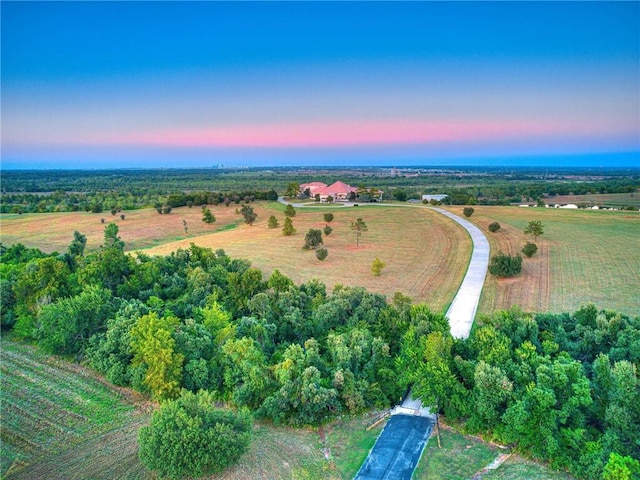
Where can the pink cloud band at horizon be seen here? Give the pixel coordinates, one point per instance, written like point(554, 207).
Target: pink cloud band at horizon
point(346, 134)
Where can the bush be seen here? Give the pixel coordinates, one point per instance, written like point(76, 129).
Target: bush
point(468, 211)
point(494, 227)
point(273, 222)
point(289, 211)
point(321, 253)
point(288, 228)
point(377, 266)
point(505, 265)
point(327, 230)
point(312, 239)
point(328, 217)
point(530, 249)
point(190, 437)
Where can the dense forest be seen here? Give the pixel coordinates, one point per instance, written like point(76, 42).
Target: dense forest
point(97, 191)
point(563, 388)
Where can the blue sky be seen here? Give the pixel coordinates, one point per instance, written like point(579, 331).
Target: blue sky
point(123, 84)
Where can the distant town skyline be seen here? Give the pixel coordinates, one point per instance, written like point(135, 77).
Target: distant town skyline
point(196, 84)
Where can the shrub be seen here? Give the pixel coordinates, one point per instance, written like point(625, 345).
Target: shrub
point(377, 267)
point(321, 253)
point(273, 222)
point(312, 239)
point(505, 265)
point(530, 249)
point(468, 211)
point(327, 230)
point(289, 211)
point(190, 437)
point(288, 228)
point(494, 227)
point(328, 217)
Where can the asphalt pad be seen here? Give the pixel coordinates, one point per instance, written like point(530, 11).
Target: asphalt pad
point(398, 449)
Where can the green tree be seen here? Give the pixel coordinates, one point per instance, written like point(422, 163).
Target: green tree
point(321, 253)
point(288, 229)
point(189, 437)
point(207, 216)
point(273, 222)
point(529, 249)
point(328, 217)
point(153, 347)
point(621, 468)
point(534, 228)
point(468, 211)
point(289, 211)
point(249, 215)
point(312, 239)
point(77, 245)
point(505, 265)
point(377, 266)
point(65, 327)
point(327, 230)
point(359, 227)
point(293, 189)
point(272, 195)
point(494, 227)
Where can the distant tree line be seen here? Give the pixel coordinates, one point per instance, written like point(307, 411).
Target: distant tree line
point(561, 387)
point(97, 191)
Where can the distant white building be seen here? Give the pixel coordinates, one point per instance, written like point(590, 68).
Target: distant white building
point(571, 206)
point(437, 198)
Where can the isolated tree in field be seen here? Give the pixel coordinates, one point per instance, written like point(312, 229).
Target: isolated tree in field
point(122, 216)
point(494, 227)
point(359, 227)
point(207, 216)
point(327, 230)
point(273, 222)
point(248, 214)
point(529, 249)
point(377, 266)
point(312, 239)
point(186, 228)
point(468, 211)
point(505, 265)
point(321, 253)
point(189, 437)
point(534, 228)
point(328, 217)
point(288, 229)
point(289, 211)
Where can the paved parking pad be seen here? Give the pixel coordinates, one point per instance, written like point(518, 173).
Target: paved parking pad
point(398, 449)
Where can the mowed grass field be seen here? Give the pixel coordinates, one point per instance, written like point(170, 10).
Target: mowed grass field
point(584, 256)
point(61, 421)
point(426, 254)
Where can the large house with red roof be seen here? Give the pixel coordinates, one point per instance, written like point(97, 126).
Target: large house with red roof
point(336, 192)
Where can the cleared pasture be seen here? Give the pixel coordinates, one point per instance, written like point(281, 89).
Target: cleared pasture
point(426, 254)
point(584, 256)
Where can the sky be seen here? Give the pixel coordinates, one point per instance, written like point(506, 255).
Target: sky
point(181, 84)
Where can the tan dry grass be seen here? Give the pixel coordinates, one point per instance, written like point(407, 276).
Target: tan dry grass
point(426, 254)
point(140, 228)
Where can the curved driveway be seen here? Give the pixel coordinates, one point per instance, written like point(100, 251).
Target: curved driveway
point(465, 304)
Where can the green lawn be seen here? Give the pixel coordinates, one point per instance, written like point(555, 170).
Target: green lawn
point(459, 458)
